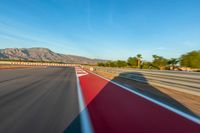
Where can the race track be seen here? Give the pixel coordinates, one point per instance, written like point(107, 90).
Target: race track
point(74, 100)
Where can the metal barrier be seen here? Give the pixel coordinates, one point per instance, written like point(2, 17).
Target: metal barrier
point(34, 63)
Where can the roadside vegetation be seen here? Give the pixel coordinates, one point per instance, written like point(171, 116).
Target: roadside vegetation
point(188, 60)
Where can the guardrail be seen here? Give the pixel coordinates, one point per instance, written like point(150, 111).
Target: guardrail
point(182, 81)
point(34, 63)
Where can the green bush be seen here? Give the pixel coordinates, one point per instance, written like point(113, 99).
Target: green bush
point(190, 59)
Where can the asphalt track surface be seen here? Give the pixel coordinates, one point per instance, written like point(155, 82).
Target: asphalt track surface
point(37, 100)
point(47, 100)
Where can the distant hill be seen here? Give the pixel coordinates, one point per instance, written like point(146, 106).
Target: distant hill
point(44, 54)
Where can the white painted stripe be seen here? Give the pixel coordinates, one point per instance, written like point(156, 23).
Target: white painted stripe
point(179, 112)
point(86, 126)
point(80, 72)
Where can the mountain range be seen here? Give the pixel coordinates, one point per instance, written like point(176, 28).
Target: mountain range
point(44, 54)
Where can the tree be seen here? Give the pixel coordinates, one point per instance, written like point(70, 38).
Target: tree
point(191, 59)
point(111, 64)
point(146, 65)
point(159, 62)
point(132, 61)
point(100, 64)
point(139, 58)
point(173, 62)
point(121, 63)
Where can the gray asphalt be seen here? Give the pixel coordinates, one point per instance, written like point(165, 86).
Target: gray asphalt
point(37, 100)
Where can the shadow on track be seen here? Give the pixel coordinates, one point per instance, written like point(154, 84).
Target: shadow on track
point(152, 92)
point(105, 105)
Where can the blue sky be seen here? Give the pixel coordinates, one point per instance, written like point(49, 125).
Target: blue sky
point(107, 29)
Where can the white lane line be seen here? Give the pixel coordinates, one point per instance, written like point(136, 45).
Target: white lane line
point(179, 112)
point(86, 126)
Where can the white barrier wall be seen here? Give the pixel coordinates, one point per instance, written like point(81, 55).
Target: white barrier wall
point(34, 63)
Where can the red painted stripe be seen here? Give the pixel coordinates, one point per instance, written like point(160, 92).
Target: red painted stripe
point(115, 110)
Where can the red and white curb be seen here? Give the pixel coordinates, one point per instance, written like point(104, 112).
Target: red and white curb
point(80, 72)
